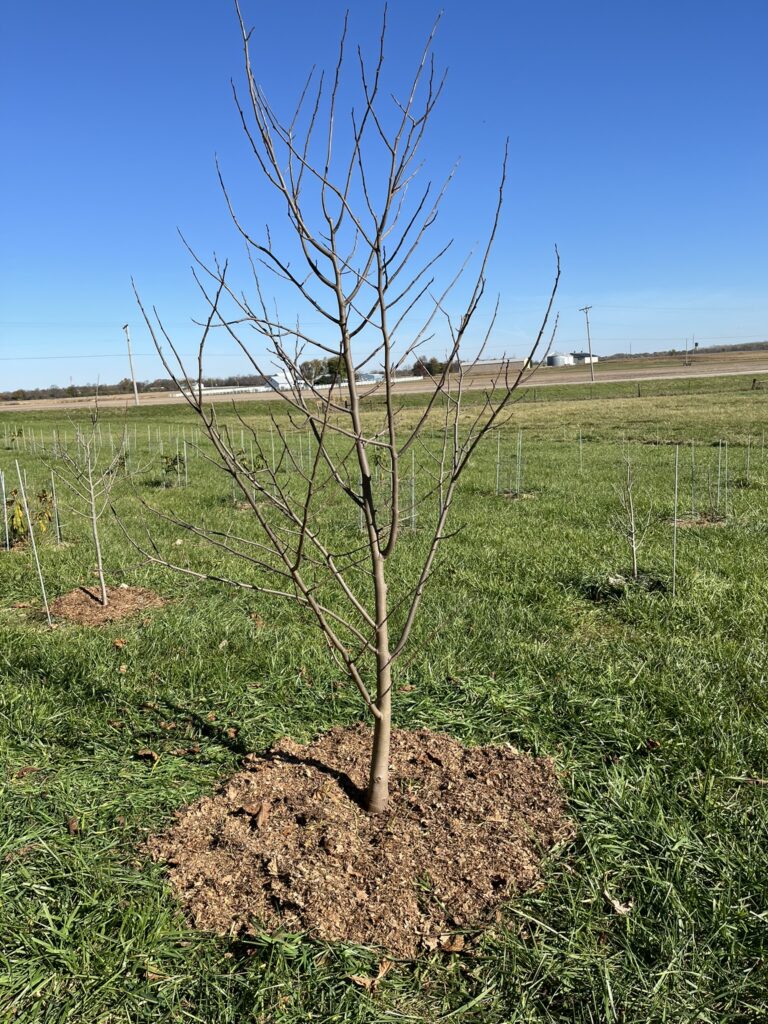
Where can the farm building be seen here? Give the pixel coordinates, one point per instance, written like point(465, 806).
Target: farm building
point(583, 358)
point(560, 359)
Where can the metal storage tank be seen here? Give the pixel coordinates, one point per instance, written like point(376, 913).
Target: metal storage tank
point(559, 359)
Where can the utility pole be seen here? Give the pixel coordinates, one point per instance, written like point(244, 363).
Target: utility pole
point(130, 363)
point(585, 310)
point(686, 352)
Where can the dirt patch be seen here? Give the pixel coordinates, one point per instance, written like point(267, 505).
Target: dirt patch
point(688, 522)
point(286, 843)
point(83, 606)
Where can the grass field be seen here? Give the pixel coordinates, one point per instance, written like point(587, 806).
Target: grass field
point(653, 707)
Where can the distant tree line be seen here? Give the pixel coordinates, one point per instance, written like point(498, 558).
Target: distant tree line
point(751, 346)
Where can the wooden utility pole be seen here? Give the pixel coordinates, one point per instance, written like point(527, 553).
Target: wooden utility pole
point(130, 363)
point(585, 310)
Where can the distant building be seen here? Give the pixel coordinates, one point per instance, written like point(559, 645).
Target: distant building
point(582, 358)
point(560, 359)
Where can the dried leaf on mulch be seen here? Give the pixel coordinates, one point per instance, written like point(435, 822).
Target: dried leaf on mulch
point(465, 831)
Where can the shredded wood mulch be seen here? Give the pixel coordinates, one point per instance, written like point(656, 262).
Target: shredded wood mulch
point(702, 520)
point(83, 606)
point(286, 842)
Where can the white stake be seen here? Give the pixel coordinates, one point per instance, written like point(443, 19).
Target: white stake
point(5, 513)
point(674, 524)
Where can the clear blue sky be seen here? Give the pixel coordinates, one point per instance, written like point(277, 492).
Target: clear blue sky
point(638, 145)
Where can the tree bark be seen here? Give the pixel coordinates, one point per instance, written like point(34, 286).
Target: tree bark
point(378, 782)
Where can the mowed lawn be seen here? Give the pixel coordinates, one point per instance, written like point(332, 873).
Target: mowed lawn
point(653, 707)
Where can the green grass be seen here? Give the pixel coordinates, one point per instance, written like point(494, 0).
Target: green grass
point(653, 707)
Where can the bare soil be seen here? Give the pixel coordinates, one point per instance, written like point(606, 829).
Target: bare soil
point(705, 519)
point(286, 843)
point(83, 606)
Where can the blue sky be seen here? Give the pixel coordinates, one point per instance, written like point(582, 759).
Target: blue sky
point(637, 145)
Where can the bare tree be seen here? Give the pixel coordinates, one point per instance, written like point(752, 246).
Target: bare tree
point(357, 267)
point(89, 474)
point(629, 522)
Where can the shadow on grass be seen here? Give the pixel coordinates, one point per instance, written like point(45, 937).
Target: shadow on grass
point(616, 587)
point(219, 734)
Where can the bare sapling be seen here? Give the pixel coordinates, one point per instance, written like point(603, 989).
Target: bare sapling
point(33, 544)
point(632, 525)
point(89, 473)
point(357, 254)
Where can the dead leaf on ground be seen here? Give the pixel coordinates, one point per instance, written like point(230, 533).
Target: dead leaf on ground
point(167, 726)
point(211, 716)
point(451, 943)
point(19, 852)
point(152, 975)
point(21, 604)
point(223, 644)
point(145, 754)
point(622, 909)
point(73, 826)
point(371, 984)
point(231, 732)
point(28, 769)
point(119, 643)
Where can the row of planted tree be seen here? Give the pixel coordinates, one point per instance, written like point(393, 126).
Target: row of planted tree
point(82, 463)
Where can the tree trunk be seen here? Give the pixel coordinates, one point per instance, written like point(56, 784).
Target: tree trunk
point(378, 782)
point(95, 531)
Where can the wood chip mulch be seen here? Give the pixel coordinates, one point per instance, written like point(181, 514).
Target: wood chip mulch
point(83, 606)
point(286, 843)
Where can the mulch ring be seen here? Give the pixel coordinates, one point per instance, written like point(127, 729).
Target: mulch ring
point(286, 843)
point(83, 606)
point(705, 519)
